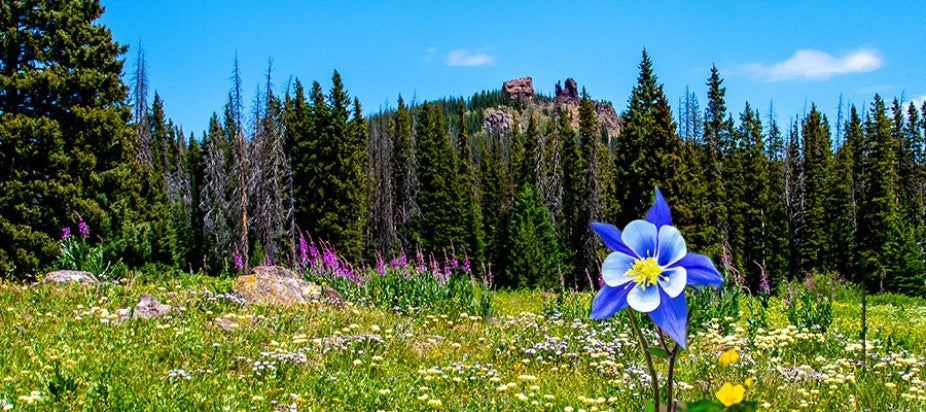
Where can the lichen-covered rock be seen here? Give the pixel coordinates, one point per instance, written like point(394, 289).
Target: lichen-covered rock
point(274, 270)
point(272, 289)
point(65, 276)
point(148, 307)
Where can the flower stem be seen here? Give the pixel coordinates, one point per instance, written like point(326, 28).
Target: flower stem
point(647, 356)
point(669, 384)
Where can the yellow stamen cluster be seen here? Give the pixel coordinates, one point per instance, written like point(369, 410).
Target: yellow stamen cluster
point(645, 272)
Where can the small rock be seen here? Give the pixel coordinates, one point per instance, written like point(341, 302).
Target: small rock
point(148, 307)
point(64, 276)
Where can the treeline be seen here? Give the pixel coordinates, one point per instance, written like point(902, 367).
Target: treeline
point(516, 198)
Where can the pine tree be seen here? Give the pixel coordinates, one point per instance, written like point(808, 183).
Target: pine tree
point(63, 119)
point(878, 219)
point(714, 209)
point(776, 229)
point(438, 227)
point(533, 253)
point(757, 196)
point(817, 155)
point(573, 191)
point(404, 178)
point(474, 242)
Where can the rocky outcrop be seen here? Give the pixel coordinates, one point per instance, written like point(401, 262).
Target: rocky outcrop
point(66, 276)
point(497, 120)
point(521, 89)
point(278, 286)
point(570, 93)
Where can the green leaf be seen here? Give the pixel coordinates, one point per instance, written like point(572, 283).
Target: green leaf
point(705, 406)
point(658, 352)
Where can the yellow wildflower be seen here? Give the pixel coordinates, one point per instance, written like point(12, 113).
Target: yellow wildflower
point(730, 395)
point(727, 357)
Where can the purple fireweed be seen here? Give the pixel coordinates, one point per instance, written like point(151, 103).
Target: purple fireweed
point(65, 232)
point(83, 229)
point(239, 261)
point(380, 265)
point(303, 250)
point(467, 266)
point(649, 269)
point(764, 287)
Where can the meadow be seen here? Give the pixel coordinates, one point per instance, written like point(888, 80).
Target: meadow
point(68, 347)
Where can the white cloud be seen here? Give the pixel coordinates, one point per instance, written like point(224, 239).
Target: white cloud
point(919, 100)
point(463, 57)
point(817, 64)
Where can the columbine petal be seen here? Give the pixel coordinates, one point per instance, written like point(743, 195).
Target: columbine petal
point(701, 270)
point(611, 237)
point(643, 300)
point(677, 276)
point(672, 317)
point(610, 300)
point(641, 236)
point(671, 246)
point(659, 213)
point(614, 268)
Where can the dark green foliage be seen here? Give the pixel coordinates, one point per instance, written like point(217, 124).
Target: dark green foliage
point(815, 238)
point(473, 243)
point(533, 253)
point(573, 186)
point(63, 122)
point(877, 207)
point(404, 178)
point(327, 147)
point(439, 226)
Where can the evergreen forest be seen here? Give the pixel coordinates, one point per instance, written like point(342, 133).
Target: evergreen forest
point(86, 140)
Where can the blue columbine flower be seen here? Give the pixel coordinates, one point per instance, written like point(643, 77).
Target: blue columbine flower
point(649, 269)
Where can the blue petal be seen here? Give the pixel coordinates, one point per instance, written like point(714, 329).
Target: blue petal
point(701, 270)
point(640, 236)
point(609, 300)
point(659, 214)
point(611, 237)
point(672, 317)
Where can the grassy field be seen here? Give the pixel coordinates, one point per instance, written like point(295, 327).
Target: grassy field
point(66, 348)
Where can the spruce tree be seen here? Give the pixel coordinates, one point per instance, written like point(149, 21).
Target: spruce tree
point(757, 242)
point(473, 242)
point(713, 209)
point(404, 178)
point(817, 155)
point(533, 253)
point(878, 217)
point(64, 126)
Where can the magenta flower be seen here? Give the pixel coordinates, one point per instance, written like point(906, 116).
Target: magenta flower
point(649, 269)
point(65, 232)
point(83, 229)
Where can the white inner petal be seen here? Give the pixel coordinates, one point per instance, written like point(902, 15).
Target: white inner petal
point(614, 268)
point(643, 300)
point(673, 281)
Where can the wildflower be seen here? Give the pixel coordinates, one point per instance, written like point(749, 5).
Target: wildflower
point(303, 250)
point(727, 357)
point(83, 229)
point(730, 395)
point(239, 261)
point(65, 232)
point(649, 269)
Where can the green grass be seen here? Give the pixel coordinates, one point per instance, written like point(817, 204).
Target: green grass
point(66, 345)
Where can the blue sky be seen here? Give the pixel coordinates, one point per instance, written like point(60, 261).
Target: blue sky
point(794, 53)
